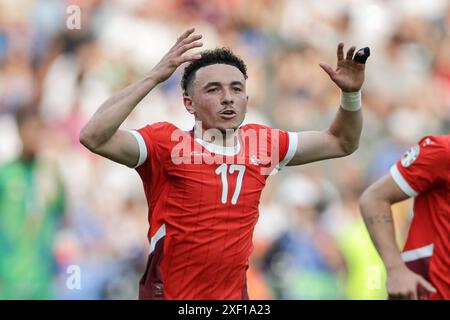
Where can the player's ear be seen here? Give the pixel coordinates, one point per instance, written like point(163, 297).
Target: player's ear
point(187, 100)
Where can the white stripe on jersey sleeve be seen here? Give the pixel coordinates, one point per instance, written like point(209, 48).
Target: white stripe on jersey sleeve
point(419, 253)
point(401, 182)
point(158, 235)
point(293, 142)
point(142, 147)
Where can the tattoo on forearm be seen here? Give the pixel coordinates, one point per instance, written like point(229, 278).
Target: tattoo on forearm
point(379, 219)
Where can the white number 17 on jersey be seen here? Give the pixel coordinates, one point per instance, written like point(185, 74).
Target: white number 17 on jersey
point(222, 170)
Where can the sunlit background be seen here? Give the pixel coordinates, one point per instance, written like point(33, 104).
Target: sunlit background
point(72, 213)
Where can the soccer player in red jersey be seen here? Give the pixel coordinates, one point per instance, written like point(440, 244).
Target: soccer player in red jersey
point(203, 186)
point(422, 270)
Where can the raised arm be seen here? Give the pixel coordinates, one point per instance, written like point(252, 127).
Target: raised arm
point(342, 137)
point(375, 205)
point(102, 135)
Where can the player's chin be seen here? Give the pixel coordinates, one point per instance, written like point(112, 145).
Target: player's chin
point(229, 125)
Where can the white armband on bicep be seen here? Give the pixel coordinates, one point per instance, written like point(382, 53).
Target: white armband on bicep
point(142, 147)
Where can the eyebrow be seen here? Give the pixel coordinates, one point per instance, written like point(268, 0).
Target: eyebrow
point(217, 83)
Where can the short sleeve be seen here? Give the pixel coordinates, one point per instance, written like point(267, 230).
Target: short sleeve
point(422, 166)
point(143, 153)
point(153, 141)
point(280, 145)
point(288, 146)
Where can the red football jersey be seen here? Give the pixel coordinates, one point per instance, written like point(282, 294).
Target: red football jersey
point(203, 205)
point(424, 173)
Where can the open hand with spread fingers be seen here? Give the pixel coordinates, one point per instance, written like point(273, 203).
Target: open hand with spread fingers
point(349, 74)
point(176, 55)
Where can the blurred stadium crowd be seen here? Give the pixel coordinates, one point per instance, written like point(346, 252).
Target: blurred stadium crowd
point(70, 207)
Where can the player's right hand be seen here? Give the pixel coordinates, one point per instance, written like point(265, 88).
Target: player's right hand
point(402, 283)
point(176, 55)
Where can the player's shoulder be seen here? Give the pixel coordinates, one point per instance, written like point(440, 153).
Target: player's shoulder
point(259, 129)
point(254, 126)
point(159, 129)
point(444, 140)
point(162, 126)
point(436, 142)
point(431, 150)
point(160, 133)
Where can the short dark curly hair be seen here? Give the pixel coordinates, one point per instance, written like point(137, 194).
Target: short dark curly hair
point(209, 57)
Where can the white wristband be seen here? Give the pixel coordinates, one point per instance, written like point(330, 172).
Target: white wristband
point(351, 101)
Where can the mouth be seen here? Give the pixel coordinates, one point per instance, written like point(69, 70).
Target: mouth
point(228, 114)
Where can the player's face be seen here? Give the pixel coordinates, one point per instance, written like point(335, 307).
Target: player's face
point(218, 97)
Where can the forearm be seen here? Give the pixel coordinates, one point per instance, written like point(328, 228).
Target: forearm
point(377, 216)
point(347, 127)
point(113, 112)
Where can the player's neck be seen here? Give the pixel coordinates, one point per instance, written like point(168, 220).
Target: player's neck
point(222, 138)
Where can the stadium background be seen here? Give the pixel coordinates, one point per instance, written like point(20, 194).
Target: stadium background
point(310, 242)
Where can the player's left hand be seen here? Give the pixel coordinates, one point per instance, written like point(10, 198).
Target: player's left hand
point(349, 74)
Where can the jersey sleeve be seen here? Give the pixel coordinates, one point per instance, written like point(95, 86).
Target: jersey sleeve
point(422, 166)
point(281, 145)
point(153, 141)
point(288, 142)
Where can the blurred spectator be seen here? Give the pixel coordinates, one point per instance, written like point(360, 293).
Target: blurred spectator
point(304, 263)
point(31, 205)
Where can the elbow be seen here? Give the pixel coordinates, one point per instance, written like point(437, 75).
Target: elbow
point(364, 201)
point(87, 139)
point(344, 144)
point(352, 148)
point(349, 148)
point(371, 200)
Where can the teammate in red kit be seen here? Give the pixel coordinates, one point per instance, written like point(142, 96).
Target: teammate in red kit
point(203, 186)
point(422, 270)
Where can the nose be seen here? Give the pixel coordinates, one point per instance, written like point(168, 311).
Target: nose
point(227, 98)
